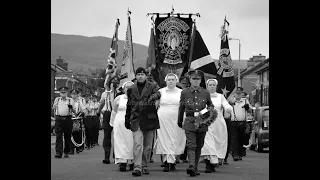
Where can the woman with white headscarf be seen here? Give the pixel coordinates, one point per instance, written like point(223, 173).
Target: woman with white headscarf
point(171, 139)
point(216, 140)
point(122, 137)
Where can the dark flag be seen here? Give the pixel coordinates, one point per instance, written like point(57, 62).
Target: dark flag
point(172, 45)
point(225, 74)
point(200, 58)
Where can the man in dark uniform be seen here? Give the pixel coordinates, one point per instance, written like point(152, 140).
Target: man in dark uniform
point(97, 120)
point(238, 125)
point(63, 107)
point(106, 106)
point(192, 101)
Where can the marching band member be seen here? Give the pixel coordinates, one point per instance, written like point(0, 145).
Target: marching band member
point(76, 132)
point(91, 121)
point(171, 139)
point(216, 140)
point(238, 125)
point(63, 107)
point(97, 120)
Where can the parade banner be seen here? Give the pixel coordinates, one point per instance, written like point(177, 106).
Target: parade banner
point(172, 45)
point(127, 62)
point(225, 72)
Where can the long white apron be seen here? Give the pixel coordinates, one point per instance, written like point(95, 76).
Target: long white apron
point(171, 139)
point(123, 139)
point(216, 139)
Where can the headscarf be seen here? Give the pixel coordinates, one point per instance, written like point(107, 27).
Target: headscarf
point(216, 81)
point(171, 74)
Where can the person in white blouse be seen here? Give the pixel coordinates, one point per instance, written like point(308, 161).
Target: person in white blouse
point(91, 115)
point(171, 139)
point(122, 137)
point(76, 136)
point(216, 139)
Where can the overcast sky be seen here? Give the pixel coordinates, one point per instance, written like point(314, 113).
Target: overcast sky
point(249, 21)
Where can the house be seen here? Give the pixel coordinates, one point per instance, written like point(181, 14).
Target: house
point(261, 93)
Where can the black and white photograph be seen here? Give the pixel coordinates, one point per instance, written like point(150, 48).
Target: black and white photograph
point(167, 89)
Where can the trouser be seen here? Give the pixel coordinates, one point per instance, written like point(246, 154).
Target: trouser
point(153, 141)
point(142, 146)
point(89, 130)
point(237, 137)
point(184, 155)
point(107, 129)
point(63, 128)
point(228, 121)
point(195, 141)
point(97, 128)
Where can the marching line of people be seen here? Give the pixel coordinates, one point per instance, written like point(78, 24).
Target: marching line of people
point(146, 119)
point(77, 120)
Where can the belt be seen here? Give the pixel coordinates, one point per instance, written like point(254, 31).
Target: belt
point(239, 121)
point(192, 114)
point(63, 117)
point(92, 116)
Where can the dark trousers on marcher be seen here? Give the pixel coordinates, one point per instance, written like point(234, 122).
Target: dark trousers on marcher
point(184, 155)
point(195, 141)
point(96, 129)
point(88, 130)
point(63, 127)
point(228, 122)
point(107, 135)
point(237, 137)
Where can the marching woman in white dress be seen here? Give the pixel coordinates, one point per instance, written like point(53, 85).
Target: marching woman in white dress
point(171, 139)
point(216, 140)
point(122, 137)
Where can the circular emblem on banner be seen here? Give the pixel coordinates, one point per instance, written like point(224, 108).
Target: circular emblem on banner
point(225, 63)
point(173, 40)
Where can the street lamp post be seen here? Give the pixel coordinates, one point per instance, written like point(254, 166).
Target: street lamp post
point(239, 84)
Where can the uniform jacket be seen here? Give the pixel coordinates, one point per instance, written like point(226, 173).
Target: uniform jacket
point(141, 110)
point(193, 100)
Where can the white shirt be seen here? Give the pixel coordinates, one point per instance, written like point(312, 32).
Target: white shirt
point(239, 111)
point(107, 96)
point(79, 106)
point(92, 108)
point(61, 106)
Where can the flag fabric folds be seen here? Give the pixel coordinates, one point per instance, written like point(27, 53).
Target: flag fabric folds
point(225, 74)
point(127, 62)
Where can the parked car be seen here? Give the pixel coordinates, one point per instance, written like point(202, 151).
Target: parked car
point(260, 133)
point(53, 122)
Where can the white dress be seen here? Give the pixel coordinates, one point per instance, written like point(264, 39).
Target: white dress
point(216, 140)
point(171, 139)
point(122, 137)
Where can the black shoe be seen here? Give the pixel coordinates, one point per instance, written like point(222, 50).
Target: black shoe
point(71, 152)
point(66, 155)
point(122, 167)
point(225, 162)
point(197, 173)
point(177, 161)
point(166, 167)
point(191, 171)
point(58, 156)
point(136, 173)
point(235, 158)
point(131, 167)
point(151, 160)
point(145, 171)
point(172, 167)
point(240, 158)
point(106, 161)
point(162, 165)
point(208, 166)
point(185, 161)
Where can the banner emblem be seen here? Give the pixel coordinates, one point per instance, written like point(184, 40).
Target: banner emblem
point(173, 39)
point(225, 63)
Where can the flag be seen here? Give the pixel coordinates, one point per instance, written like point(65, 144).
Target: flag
point(200, 57)
point(151, 59)
point(113, 53)
point(225, 74)
point(127, 62)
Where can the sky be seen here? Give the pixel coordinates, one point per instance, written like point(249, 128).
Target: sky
point(249, 21)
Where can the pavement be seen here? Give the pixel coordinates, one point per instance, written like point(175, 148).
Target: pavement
point(88, 166)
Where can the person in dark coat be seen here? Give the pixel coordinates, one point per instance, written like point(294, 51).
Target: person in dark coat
point(142, 119)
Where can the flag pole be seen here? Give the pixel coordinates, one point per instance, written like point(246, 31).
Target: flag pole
point(192, 44)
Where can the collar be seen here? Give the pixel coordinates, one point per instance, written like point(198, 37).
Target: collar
point(214, 94)
point(167, 89)
point(239, 101)
point(192, 89)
